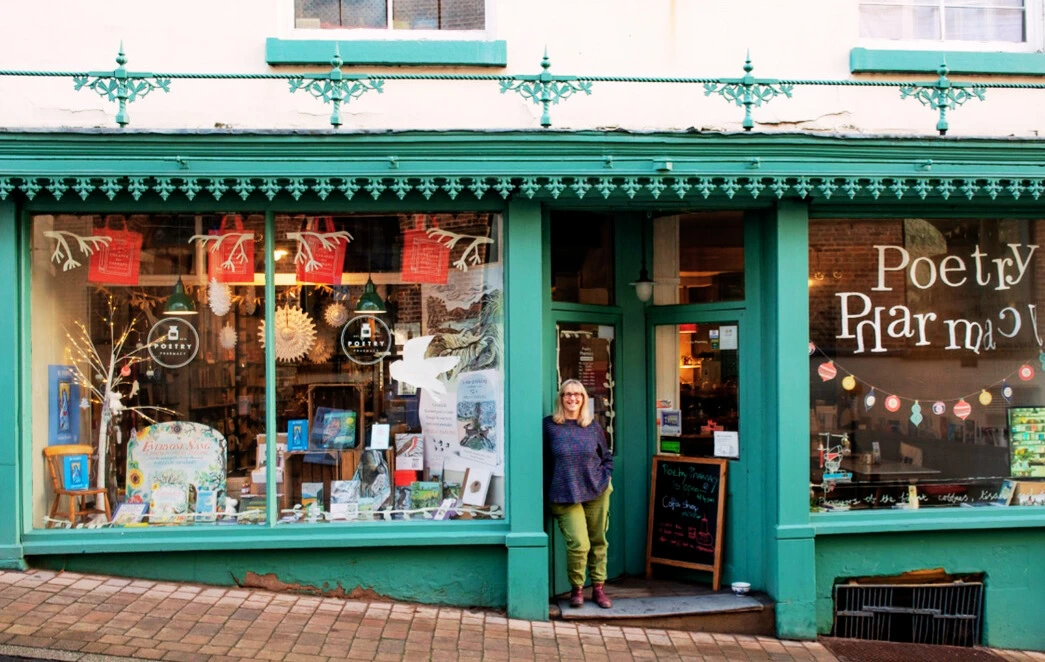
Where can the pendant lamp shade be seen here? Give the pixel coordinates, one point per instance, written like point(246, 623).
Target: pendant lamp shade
point(370, 301)
point(179, 302)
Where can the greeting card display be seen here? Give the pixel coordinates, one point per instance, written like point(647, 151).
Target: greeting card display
point(119, 261)
point(230, 258)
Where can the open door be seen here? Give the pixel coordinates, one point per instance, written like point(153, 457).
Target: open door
point(587, 351)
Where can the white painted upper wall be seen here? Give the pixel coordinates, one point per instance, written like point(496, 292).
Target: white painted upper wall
point(697, 38)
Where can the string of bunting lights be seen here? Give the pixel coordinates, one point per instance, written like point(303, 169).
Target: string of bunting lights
point(829, 369)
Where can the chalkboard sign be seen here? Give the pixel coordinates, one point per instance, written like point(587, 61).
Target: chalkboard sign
point(687, 502)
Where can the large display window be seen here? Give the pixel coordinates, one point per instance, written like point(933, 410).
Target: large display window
point(926, 356)
point(149, 371)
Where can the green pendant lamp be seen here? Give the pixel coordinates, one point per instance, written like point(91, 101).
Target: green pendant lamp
point(179, 302)
point(370, 301)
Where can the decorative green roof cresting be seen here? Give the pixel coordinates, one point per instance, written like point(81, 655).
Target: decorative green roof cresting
point(334, 87)
point(942, 95)
point(121, 86)
point(682, 187)
point(546, 89)
point(748, 91)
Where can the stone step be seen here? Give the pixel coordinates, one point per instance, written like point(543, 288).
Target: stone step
point(710, 612)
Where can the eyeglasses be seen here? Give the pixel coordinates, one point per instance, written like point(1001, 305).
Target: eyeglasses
point(567, 396)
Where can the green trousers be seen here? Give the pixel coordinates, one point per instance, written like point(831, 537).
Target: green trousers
point(584, 527)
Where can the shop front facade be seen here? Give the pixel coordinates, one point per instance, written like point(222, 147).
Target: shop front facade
point(790, 320)
point(390, 269)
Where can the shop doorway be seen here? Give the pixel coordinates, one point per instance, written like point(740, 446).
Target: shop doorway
point(586, 350)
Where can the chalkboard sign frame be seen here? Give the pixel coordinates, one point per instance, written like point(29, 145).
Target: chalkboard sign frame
point(722, 464)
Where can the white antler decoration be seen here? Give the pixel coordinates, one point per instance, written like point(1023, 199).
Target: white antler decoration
point(62, 251)
point(237, 254)
point(450, 239)
point(327, 240)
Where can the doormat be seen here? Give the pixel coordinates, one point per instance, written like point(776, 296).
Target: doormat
point(861, 650)
point(669, 605)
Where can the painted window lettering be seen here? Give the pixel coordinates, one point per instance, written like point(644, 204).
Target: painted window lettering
point(870, 324)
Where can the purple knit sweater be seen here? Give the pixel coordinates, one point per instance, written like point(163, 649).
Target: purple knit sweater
point(578, 461)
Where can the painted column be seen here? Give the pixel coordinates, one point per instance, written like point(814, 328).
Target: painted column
point(10, 412)
point(632, 469)
point(527, 541)
point(791, 558)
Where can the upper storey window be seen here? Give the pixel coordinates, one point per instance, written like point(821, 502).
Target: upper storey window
point(436, 15)
point(997, 21)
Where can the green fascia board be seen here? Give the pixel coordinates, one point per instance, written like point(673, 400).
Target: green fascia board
point(867, 60)
point(100, 153)
point(63, 541)
point(408, 52)
point(937, 519)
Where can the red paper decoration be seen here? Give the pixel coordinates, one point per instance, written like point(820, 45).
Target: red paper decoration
point(1026, 372)
point(962, 409)
point(827, 371)
point(231, 259)
point(892, 403)
point(425, 260)
point(118, 262)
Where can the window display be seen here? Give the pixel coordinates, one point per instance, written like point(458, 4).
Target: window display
point(393, 359)
point(925, 357)
point(149, 344)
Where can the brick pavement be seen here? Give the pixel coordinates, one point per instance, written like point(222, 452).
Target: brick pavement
point(70, 616)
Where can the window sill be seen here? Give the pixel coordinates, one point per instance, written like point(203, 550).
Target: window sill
point(296, 536)
point(866, 60)
point(390, 52)
point(935, 519)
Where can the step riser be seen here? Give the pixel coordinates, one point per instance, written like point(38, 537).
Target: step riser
point(749, 622)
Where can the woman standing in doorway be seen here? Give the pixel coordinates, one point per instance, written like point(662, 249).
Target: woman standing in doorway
point(579, 465)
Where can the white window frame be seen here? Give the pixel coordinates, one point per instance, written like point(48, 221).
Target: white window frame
point(1034, 15)
point(289, 29)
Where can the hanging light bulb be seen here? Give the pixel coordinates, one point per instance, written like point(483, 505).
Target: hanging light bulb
point(643, 286)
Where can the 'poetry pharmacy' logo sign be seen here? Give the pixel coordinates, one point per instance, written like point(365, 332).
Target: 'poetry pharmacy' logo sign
point(366, 340)
point(173, 342)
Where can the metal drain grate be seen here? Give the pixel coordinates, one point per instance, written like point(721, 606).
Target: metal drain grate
point(943, 614)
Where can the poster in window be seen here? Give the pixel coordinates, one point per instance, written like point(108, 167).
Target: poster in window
point(63, 396)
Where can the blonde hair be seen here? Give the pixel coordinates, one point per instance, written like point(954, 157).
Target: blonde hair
point(585, 418)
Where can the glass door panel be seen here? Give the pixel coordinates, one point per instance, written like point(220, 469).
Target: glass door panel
point(697, 386)
point(585, 352)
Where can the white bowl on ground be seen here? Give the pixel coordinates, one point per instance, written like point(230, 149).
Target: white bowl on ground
point(740, 588)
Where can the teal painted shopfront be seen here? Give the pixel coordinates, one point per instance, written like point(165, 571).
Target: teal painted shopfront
point(862, 313)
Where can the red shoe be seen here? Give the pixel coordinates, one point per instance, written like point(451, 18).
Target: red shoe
point(598, 595)
point(577, 597)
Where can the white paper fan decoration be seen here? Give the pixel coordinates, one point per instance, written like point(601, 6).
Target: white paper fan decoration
point(295, 333)
point(220, 298)
point(322, 349)
point(227, 337)
point(335, 314)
